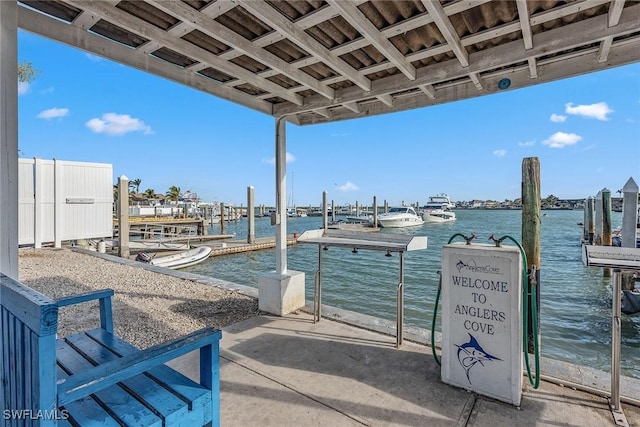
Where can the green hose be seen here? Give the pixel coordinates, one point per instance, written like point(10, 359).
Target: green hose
point(534, 318)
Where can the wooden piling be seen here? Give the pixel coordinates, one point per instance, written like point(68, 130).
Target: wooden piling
point(251, 233)
point(375, 212)
point(123, 217)
point(325, 211)
point(591, 221)
point(598, 222)
point(221, 218)
point(531, 208)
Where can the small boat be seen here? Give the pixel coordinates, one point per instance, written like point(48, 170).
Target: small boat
point(438, 209)
point(630, 303)
point(404, 216)
point(179, 260)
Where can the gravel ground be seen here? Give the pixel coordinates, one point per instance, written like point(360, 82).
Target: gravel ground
point(148, 308)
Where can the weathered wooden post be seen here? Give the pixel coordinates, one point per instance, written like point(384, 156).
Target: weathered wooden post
point(325, 211)
point(531, 208)
point(629, 214)
point(598, 224)
point(590, 223)
point(123, 217)
point(606, 224)
point(375, 212)
point(221, 218)
point(357, 208)
point(251, 234)
point(386, 206)
point(333, 211)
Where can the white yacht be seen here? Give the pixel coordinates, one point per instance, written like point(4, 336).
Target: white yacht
point(438, 209)
point(404, 216)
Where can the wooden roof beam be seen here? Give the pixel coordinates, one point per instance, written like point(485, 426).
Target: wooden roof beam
point(138, 26)
point(615, 11)
point(560, 39)
point(280, 23)
point(445, 26)
point(428, 90)
point(361, 23)
point(525, 24)
point(386, 99)
point(533, 67)
point(72, 35)
point(353, 106)
point(220, 32)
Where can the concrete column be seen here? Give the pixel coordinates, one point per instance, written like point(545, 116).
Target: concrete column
point(251, 233)
point(123, 217)
point(629, 213)
point(9, 139)
point(282, 291)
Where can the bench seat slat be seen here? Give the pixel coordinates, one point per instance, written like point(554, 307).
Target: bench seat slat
point(170, 408)
point(86, 411)
point(188, 390)
point(120, 403)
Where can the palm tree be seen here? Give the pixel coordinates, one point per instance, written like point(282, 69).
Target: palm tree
point(173, 193)
point(149, 193)
point(136, 183)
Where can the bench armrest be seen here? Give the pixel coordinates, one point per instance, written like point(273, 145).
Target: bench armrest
point(104, 296)
point(99, 377)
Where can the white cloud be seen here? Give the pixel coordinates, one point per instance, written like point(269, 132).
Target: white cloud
point(593, 111)
point(500, 153)
point(50, 89)
point(53, 113)
point(526, 143)
point(348, 186)
point(23, 87)
point(289, 159)
point(557, 118)
point(117, 124)
point(562, 139)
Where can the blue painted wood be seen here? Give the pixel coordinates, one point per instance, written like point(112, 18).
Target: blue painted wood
point(189, 391)
point(104, 297)
point(90, 380)
point(121, 404)
point(100, 369)
point(170, 408)
point(30, 322)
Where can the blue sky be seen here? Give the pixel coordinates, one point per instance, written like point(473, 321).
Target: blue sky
point(584, 130)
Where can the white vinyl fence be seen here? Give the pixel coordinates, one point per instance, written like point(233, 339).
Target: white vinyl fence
point(61, 200)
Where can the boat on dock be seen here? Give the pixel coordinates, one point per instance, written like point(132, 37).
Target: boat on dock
point(400, 217)
point(180, 260)
point(438, 209)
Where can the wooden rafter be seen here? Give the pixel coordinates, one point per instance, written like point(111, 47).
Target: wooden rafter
point(525, 25)
point(443, 23)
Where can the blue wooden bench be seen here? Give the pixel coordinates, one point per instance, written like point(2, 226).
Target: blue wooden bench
point(96, 378)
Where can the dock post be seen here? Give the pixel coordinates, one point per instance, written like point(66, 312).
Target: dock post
point(251, 234)
point(598, 222)
point(357, 208)
point(325, 211)
point(333, 211)
point(375, 212)
point(123, 217)
point(606, 224)
point(531, 208)
point(629, 214)
point(591, 220)
point(386, 206)
point(222, 218)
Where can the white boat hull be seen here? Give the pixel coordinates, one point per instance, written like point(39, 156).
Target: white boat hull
point(400, 218)
point(183, 259)
point(438, 216)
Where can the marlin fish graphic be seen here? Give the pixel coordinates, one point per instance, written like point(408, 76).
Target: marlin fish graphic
point(471, 353)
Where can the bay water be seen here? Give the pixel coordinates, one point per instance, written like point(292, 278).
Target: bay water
point(575, 312)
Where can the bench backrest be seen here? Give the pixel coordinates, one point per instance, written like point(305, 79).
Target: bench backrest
point(29, 321)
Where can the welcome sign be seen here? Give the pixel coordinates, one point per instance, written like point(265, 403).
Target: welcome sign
point(482, 319)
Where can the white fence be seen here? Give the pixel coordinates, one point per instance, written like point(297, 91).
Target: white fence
point(62, 200)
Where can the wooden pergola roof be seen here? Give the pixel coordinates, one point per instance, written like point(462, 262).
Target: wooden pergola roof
point(324, 60)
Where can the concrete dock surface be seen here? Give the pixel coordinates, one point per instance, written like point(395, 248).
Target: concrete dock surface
point(288, 371)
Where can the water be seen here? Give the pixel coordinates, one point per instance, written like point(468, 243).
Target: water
point(576, 300)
